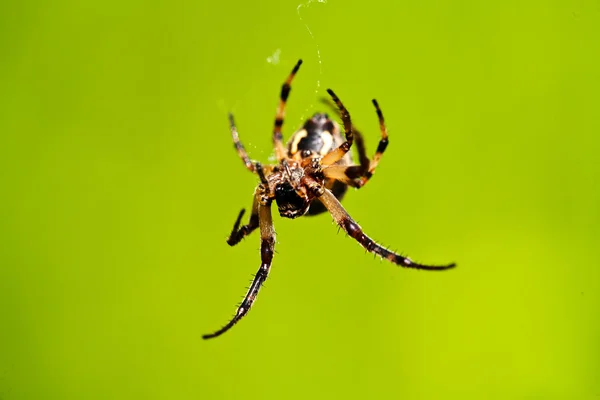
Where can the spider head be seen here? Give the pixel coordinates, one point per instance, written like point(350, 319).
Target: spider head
point(291, 203)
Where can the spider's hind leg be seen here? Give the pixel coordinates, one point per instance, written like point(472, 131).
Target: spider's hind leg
point(358, 138)
point(358, 175)
point(239, 146)
point(280, 150)
point(383, 142)
point(337, 154)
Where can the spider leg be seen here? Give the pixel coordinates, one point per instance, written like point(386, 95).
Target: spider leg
point(343, 219)
point(383, 142)
point(280, 150)
point(358, 175)
point(358, 139)
point(261, 174)
point(267, 247)
point(335, 155)
point(237, 234)
point(239, 146)
point(347, 174)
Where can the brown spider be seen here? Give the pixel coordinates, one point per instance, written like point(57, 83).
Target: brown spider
point(311, 176)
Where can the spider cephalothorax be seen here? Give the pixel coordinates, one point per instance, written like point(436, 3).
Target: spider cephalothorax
point(289, 186)
point(312, 175)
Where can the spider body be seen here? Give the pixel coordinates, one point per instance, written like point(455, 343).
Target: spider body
point(290, 186)
point(319, 136)
point(312, 175)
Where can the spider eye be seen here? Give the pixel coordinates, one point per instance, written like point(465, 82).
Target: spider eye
point(290, 204)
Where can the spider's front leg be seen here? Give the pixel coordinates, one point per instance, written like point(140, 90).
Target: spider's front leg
point(267, 248)
point(343, 219)
point(237, 234)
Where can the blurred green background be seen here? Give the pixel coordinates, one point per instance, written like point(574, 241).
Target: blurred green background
point(120, 185)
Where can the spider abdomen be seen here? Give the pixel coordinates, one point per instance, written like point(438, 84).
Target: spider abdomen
point(315, 139)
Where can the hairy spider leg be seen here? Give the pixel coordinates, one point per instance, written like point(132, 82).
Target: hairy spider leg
point(358, 139)
point(358, 175)
point(335, 155)
point(267, 247)
point(261, 174)
point(383, 142)
point(280, 150)
point(237, 234)
point(239, 146)
point(343, 219)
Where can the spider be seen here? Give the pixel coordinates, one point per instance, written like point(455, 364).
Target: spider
point(311, 176)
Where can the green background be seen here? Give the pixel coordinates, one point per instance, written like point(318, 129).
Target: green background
point(119, 185)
